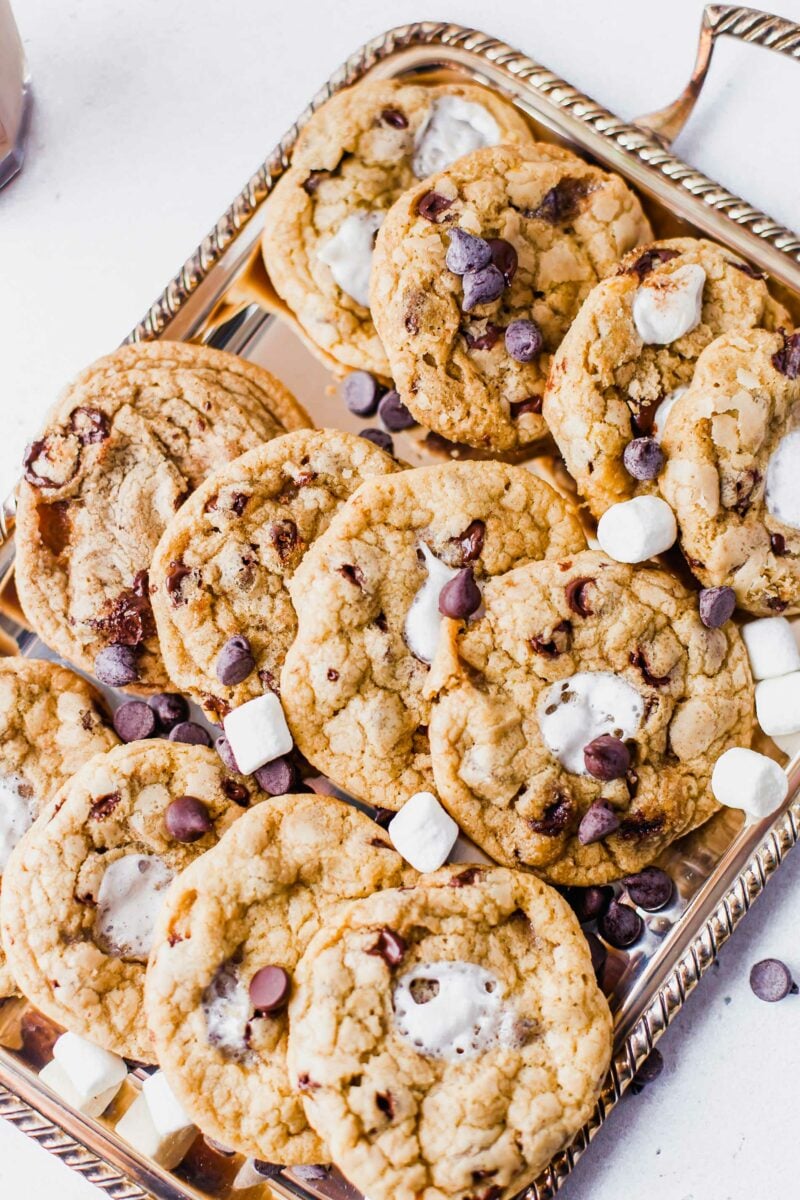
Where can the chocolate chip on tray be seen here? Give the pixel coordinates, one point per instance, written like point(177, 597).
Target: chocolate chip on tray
point(134, 721)
point(393, 413)
point(361, 393)
point(650, 889)
point(771, 980)
point(648, 1071)
point(379, 438)
point(187, 819)
point(235, 661)
point(223, 749)
point(621, 926)
point(170, 709)
point(589, 903)
point(191, 733)
point(276, 778)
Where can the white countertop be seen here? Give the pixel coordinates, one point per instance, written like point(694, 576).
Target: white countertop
point(149, 117)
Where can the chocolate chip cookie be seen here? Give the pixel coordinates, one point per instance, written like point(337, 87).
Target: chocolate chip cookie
point(120, 452)
point(227, 945)
point(218, 576)
point(355, 156)
point(82, 891)
point(631, 353)
point(370, 597)
point(732, 474)
point(478, 273)
point(51, 721)
point(448, 1039)
point(577, 722)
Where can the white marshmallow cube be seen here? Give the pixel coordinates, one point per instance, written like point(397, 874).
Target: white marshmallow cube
point(168, 1114)
point(771, 647)
point(748, 780)
point(423, 832)
point(635, 530)
point(778, 704)
point(56, 1078)
point(257, 732)
point(670, 305)
point(138, 1130)
point(90, 1069)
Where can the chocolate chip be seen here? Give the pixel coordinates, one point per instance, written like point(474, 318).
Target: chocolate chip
point(638, 659)
point(504, 257)
point(361, 392)
point(555, 818)
point(533, 404)
point(116, 665)
point(313, 180)
point(431, 205)
point(466, 252)
point(589, 903)
point(311, 1172)
point(191, 733)
point(384, 1102)
point(269, 989)
point(128, 620)
point(267, 1170)
point(650, 889)
point(747, 269)
point(285, 538)
point(390, 946)
point(746, 485)
point(606, 758)
point(771, 980)
point(460, 597)
point(470, 542)
point(378, 438)
point(187, 819)
point(169, 708)
point(223, 749)
point(42, 449)
point(467, 878)
point(651, 258)
point(777, 543)
point(598, 952)
point(235, 661)
point(787, 359)
point(638, 826)
point(483, 341)
point(103, 806)
point(54, 525)
point(236, 792)
point(353, 574)
point(395, 118)
point(563, 202)
point(383, 816)
point(557, 643)
point(621, 925)
point(643, 458)
point(176, 573)
point(716, 606)
point(393, 413)
point(89, 425)
point(482, 287)
point(523, 340)
point(648, 1072)
point(276, 778)
point(577, 598)
point(134, 721)
point(597, 823)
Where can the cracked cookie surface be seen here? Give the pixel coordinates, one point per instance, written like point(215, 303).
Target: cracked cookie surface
point(51, 722)
point(255, 900)
point(545, 625)
point(221, 567)
point(404, 1112)
point(121, 450)
point(733, 468)
point(353, 692)
point(607, 385)
point(355, 156)
point(82, 889)
point(567, 223)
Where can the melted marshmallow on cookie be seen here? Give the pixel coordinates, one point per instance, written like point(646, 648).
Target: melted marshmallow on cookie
point(454, 127)
point(573, 712)
point(349, 253)
point(783, 480)
point(128, 903)
point(423, 621)
point(666, 406)
point(668, 306)
point(16, 814)
point(227, 1010)
point(451, 1010)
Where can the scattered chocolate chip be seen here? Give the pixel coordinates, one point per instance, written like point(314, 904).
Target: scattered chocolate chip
point(431, 205)
point(470, 542)
point(771, 980)
point(311, 1172)
point(504, 257)
point(116, 665)
point(89, 425)
point(787, 359)
point(460, 597)
point(577, 596)
point(191, 733)
point(236, 792)
point(176, 573)
point(606, 757)
point(235, 661)
point(621, 925)
point(563, 202)
point(533, 404)
point(269, 989)
point(649, 1071)
point(482, 287)
point(466, 252)
point(777, 544)
point(390, 946)
point(597, 823)
point(277, 778)
point(776, 604)
point(643, 458)
point(379, 438)
point(589, 903)
point(267, 1170)
point(716, 605)
point(395, 118)
point(134, 721)
point(103, 806)
point(187, 819)
point(598, 952)
point(555, 818)
point(650, 889)
point(393, 413)
point(649, 259)
point(523, 340)
point(169, 708)
point(361, 392)
point(223, 749)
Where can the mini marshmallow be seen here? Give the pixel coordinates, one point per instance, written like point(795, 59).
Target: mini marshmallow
point(748, 780)
point(138, 1129)
point(771, 647)
point(423, 832)
point(668, 306)
point(454, 127)
point(782, 494)
point(449, 1010)
point(778, 704)
point(257, 732)
point(166, 1110)
point(56, 1078)
point(423, 622)
point(90, 1069)
point(635, 530)
point(349, 253)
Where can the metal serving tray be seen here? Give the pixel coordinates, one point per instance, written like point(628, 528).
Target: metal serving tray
point(222, 297)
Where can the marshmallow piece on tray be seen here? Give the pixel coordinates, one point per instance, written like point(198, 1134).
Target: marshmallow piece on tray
point(423, 832)
point(771, 647)
point(668, 306)
point(90, 1070)
point(778, 704)
point(156, 1125)
point(56, 1078)
point(257, 732)
point(635, 530)
point(169, 1116)
point(748, 780)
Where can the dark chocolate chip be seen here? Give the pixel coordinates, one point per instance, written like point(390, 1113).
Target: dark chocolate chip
point(716, 606)
point(55, 525)
point(577, 596)
point(235, 661)
point(395, 118)
point(187, 819)
point(747, 269)
point(470, 542)
point(276, 778)
point(384, 1102)
point(361, 392)
point(645, 263)
point(267, 1170)
point(787, 359)
point(597, 823)
point(482, 287)
point(589, 903)
point(533, 404)
point(466, 252)
point(771, 980)
point(269, 989)
point(393, 413)
point(311, 1172)
point(557, 643)
point(176, 573)
point(777, 544)
point(460, 597)
point(523, 340)
point(643, 458)
point(606, 758)
point(431, 205)
point(170, 708)
point(649, 1071)
point(483, 341)
point(89, 425)
point(621, 925)
point(468, 877)
point(504, 257)
point(191, 733)
point(598, 952)
point(284, 537)
point(390, 946)
point(236, 792)
point(379, 438)
point(383, 816)
point(643, 419)
point(42, 449)
point(353, 574)
point(555, 818)
point(223, 749)
point(116, 665)
point(134, 721)
point(650, 889)
point(103, 806)
point(563, 202)
point(638, 659)
point(313, 180)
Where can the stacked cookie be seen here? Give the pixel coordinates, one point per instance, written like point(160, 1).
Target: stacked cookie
point(320, 981)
